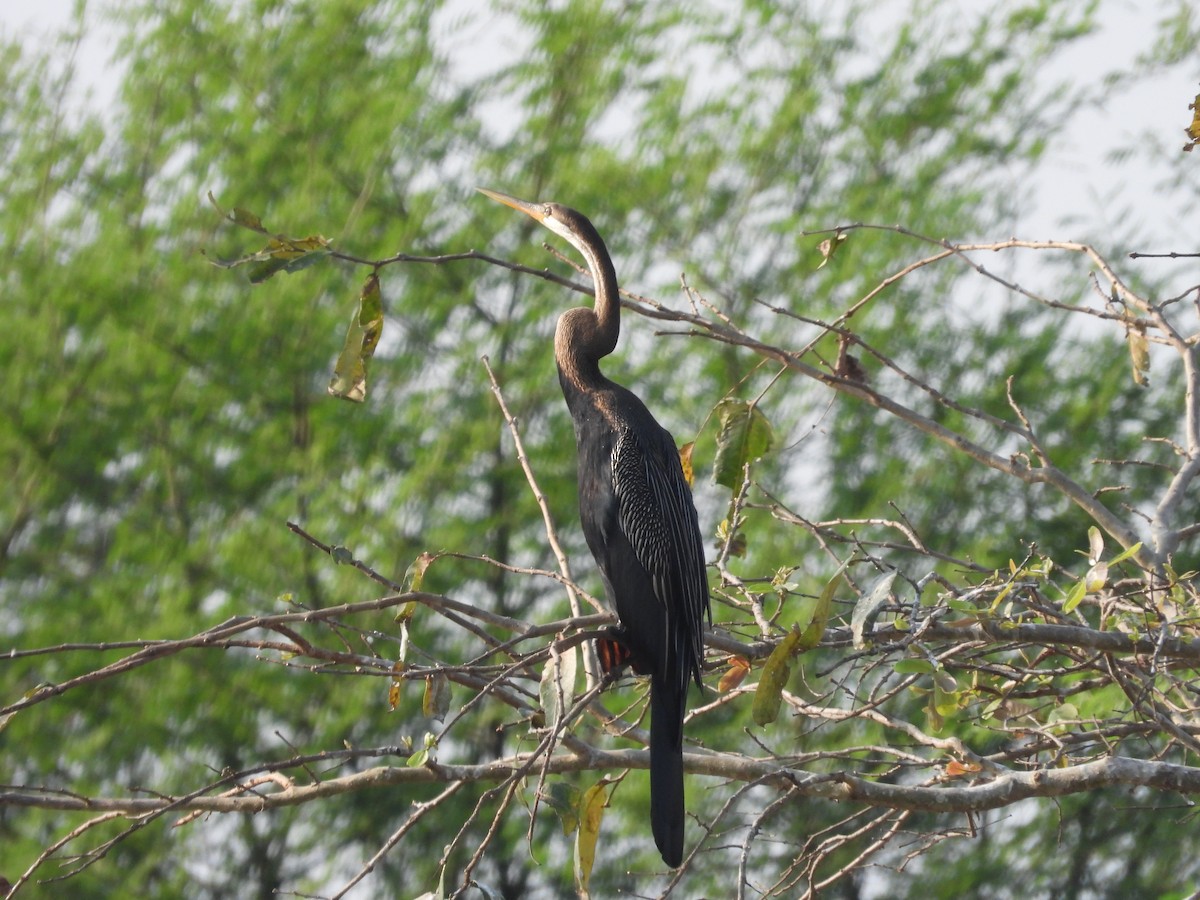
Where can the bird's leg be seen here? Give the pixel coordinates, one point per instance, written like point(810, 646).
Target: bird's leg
point(615, 653)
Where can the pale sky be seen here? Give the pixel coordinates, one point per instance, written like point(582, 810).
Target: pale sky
point(1081, 193)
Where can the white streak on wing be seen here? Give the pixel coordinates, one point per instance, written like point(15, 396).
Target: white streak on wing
point(658, 515)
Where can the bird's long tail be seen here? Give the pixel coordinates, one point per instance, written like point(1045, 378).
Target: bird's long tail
point(667, 703)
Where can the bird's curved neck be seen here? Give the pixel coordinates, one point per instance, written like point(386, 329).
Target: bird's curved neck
point(584, 336)
point(608, 301)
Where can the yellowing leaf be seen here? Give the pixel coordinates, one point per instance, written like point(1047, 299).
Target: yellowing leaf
point(436, 701)
point(1139, 357)
point(685, 460)
point(1095, 544)
point(350, 372)
point(829, 246)
point(591, 812)
point(239, 216)
point(247, 219)
point(397, 683)
point(284, 254)
point(956, 769)
point(415, 575)
point(736, 541)
point(1096, 578)
point(739, 667)
point(1193, 130)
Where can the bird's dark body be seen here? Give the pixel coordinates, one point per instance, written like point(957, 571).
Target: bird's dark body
point(638, 517)
point(623, 451)
point(629, 474)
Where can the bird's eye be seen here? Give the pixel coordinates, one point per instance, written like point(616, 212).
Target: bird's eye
point(549, 209)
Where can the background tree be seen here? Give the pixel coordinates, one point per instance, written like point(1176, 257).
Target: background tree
point(164, 420)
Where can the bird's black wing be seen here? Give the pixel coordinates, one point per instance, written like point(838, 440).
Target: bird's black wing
point(656, 512)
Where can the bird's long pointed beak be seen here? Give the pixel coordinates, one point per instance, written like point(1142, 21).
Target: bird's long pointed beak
point(533, 210)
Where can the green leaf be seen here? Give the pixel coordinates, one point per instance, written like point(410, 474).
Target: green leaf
point(1064, 712)
point(1076, 594)
point(814, 630)
point(913, 667)
point(239, 216)
point(946, 704)
point(775, 674)
point(1126, 554)
point(422, 756)
point(744, 436)
point(965, 606)
point(362, 337)
point(564, 799)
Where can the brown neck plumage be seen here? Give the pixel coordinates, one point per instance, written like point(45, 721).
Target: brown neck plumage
point(584, 336)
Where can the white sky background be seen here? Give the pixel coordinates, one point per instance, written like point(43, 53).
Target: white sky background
point(1078, 181)
point(1080, 191)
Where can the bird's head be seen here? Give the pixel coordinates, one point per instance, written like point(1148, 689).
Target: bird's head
point(567, 223)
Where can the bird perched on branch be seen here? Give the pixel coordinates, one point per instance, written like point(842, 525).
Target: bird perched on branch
point(638, 517)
